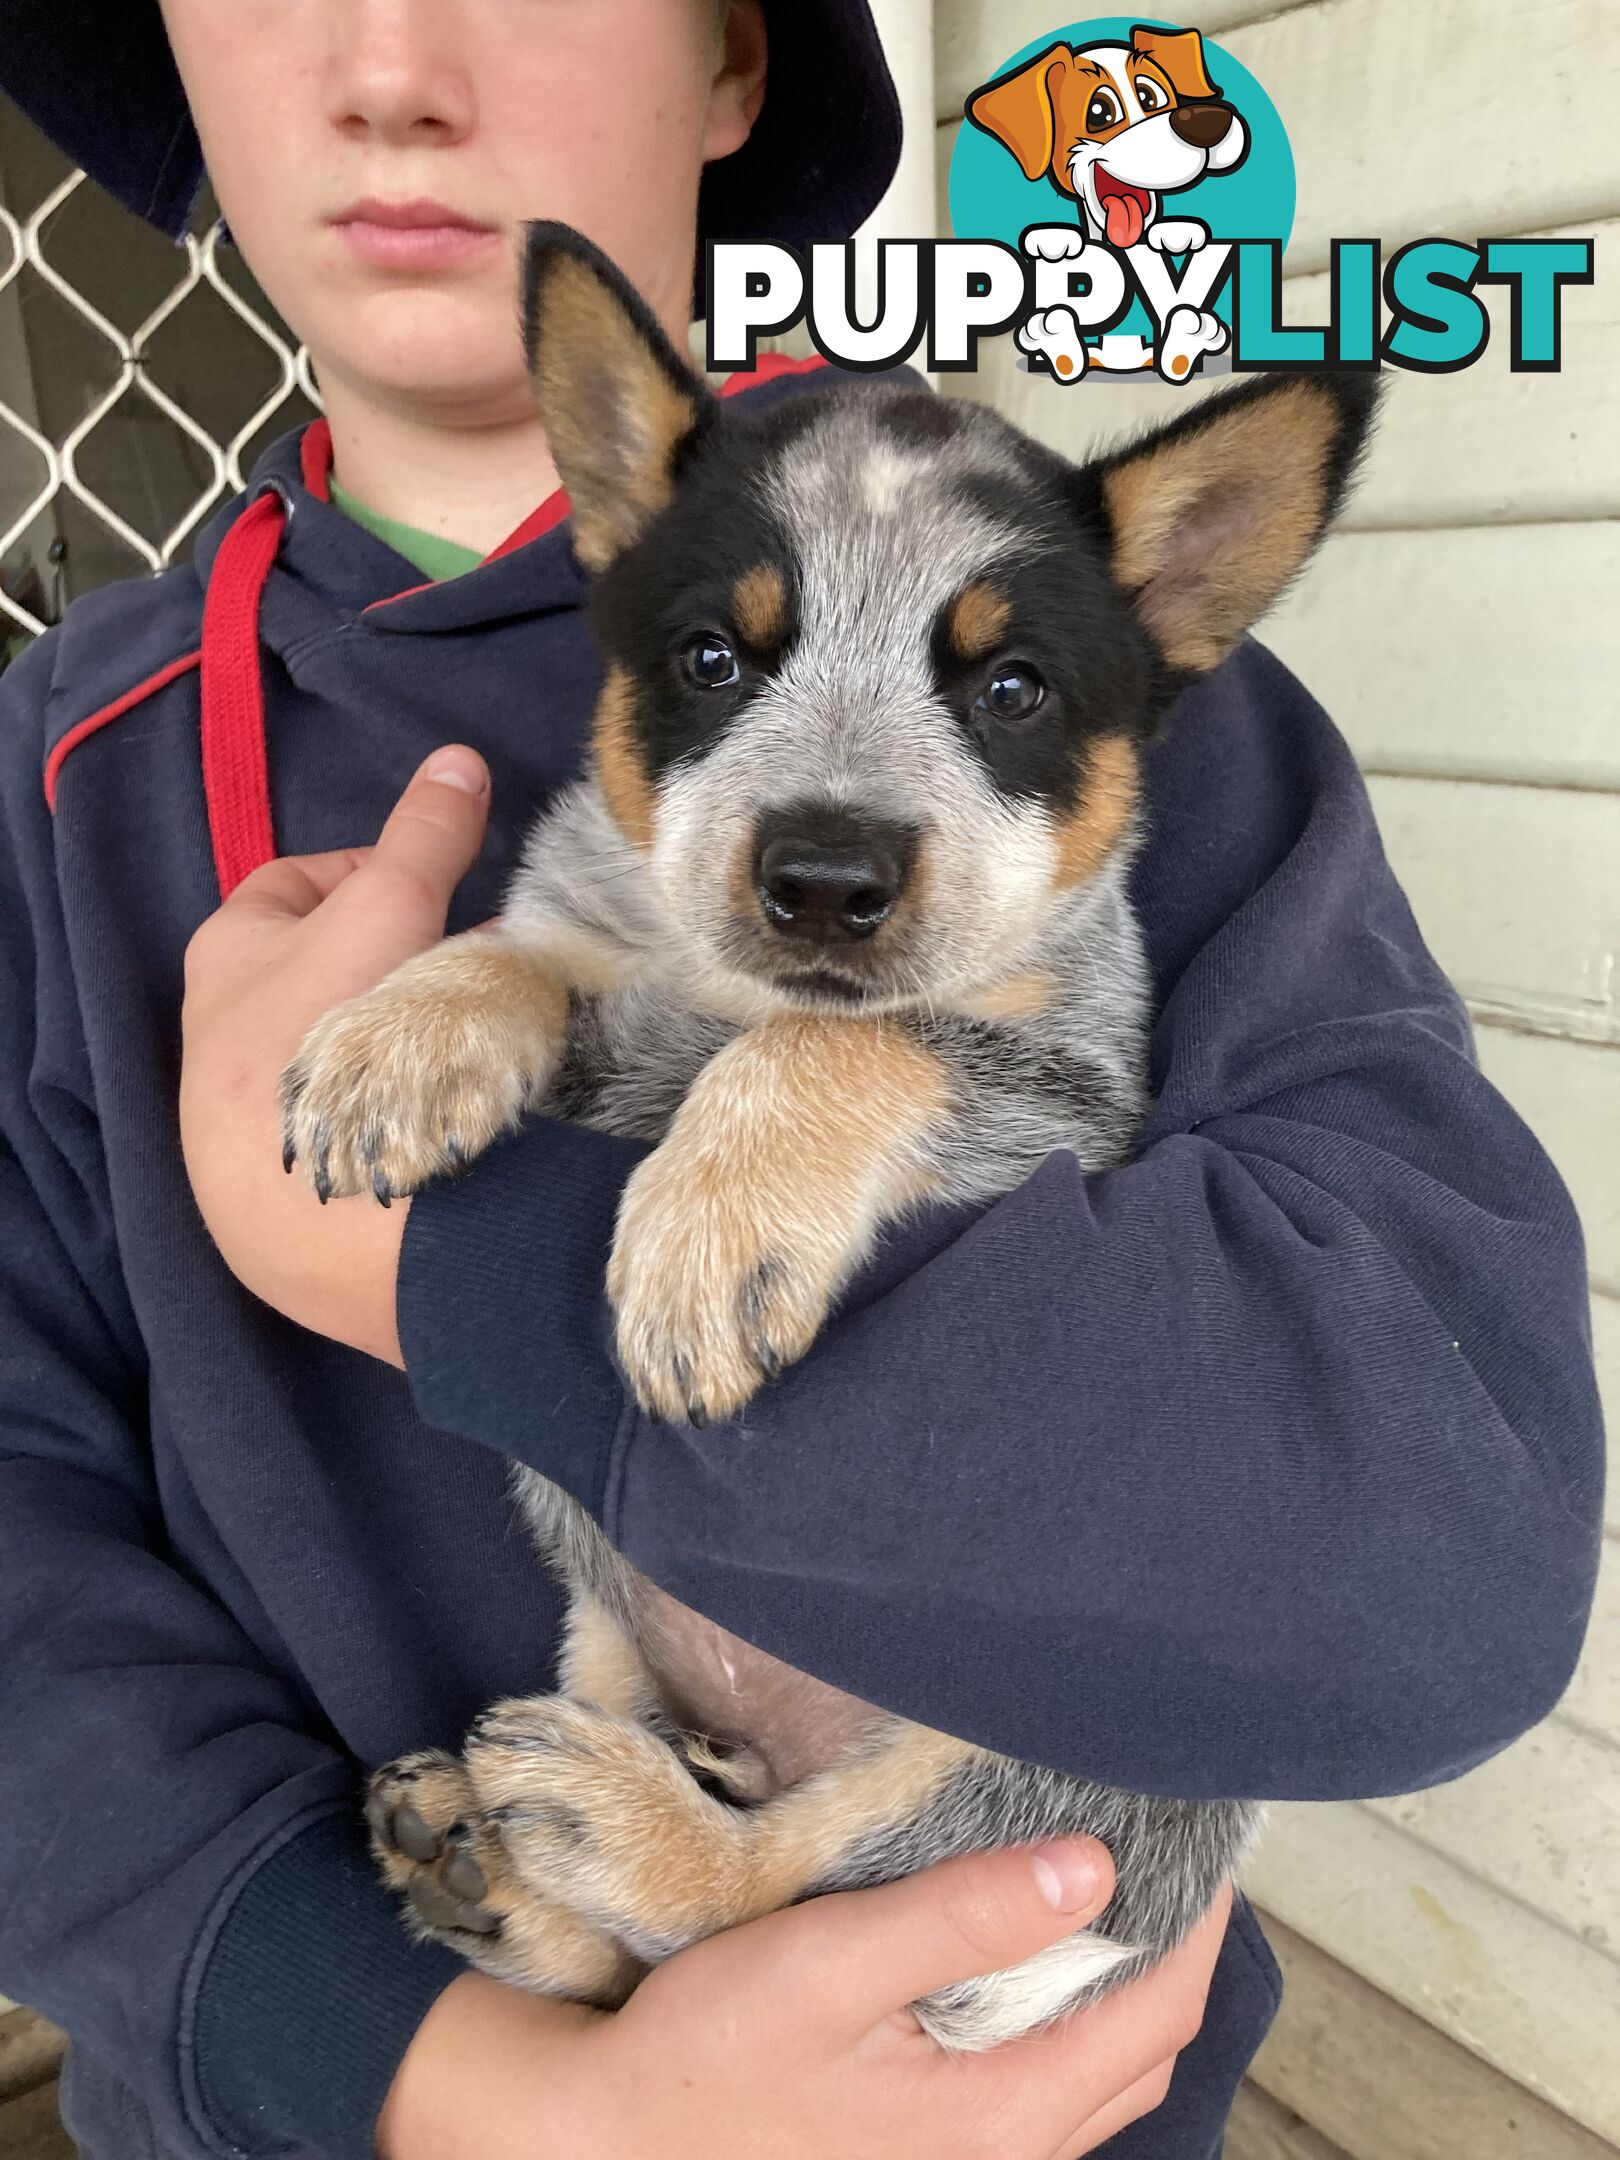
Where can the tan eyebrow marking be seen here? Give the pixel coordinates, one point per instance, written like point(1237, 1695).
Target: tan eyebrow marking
point(759, 605)
point(978, 619)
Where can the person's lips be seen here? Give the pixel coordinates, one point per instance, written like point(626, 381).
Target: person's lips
point(417, 235)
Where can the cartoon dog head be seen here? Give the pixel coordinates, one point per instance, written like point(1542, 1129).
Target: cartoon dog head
point(1115, 126)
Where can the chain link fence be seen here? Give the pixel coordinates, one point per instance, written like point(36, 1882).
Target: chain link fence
point(139, 381)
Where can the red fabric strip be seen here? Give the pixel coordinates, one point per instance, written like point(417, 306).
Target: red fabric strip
point(119, 706)
point(315, 459)
point(235, 772)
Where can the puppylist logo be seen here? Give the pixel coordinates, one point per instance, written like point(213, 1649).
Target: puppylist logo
point(1121, 197)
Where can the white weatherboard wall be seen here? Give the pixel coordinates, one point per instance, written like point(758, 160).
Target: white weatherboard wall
point(1464, 629)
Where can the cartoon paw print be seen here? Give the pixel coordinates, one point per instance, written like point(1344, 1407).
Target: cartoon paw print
point(1054, 243)
point(1055, 334)
point(1177, 236)
point(1189, 333)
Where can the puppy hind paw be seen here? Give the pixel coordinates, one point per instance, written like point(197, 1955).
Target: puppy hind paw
point(433, 1843)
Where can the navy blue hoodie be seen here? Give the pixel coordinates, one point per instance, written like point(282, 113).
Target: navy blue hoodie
point(1265, 1465)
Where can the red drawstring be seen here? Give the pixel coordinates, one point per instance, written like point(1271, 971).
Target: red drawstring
point(236, 777)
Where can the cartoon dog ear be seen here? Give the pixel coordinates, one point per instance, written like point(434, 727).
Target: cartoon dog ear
point(1208, 519)
point(1181, 54)
point(1017, 109)
point(619, 403)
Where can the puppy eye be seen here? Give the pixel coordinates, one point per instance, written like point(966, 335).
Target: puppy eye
point(1103, 110)
point(1013, 693)
point(710, 662)
point(1147, 90)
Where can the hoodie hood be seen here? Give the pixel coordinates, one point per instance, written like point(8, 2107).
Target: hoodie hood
point(284, 571)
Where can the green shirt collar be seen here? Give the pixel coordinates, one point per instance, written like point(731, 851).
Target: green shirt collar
point(434, 556)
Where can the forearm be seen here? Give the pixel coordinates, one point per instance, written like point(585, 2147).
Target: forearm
point(1199, 1420)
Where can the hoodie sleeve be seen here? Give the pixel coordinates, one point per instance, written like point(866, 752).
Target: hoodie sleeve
point(183, 1882)
point(1267, 1464)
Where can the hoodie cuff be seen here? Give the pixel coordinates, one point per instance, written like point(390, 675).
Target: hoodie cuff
point(501, 1308)
point(307, 1995)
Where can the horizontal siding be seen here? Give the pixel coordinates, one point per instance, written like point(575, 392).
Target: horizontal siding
point(1535, 2000)
point(1524, 692)
point(973, 39)
point(1516, 892)
point(1480, 447)
point(1594, 1695)
point(1568, 1093)
point(1606, 1346)
point(1541, 1822)
point(1385, 2085)
point(1451, 148)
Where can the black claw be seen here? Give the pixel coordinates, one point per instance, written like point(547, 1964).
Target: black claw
point(459, 1159)
point(381, 1187)
point(410, 1834)
point(767, 1361)
point(696, 1414)
point(289, 1155)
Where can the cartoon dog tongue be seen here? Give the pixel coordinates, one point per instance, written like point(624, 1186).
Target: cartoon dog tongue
point(1124, 220)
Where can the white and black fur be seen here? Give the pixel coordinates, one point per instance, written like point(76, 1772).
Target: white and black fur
point(864, 728)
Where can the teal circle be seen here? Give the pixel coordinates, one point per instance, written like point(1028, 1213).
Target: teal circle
point(991, 200)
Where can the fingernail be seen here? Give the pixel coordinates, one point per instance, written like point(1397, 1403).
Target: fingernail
point(1068, 1874)
point(457, 767)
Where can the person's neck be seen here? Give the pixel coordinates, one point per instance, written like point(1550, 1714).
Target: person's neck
point(473, 484)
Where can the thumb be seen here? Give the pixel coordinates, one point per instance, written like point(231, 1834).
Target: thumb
point(428, 845)
point(871, 1952)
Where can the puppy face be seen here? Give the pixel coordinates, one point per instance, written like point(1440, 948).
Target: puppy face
point(1115, 126)
point(877, 666)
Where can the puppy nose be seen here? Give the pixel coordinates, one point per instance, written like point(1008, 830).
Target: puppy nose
point(827, 886)
point(1201, 125)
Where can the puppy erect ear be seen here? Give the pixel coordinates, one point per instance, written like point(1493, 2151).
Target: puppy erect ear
point(1018, 109)
point(617, 400)
point(1181, 54)
point(1208, 519)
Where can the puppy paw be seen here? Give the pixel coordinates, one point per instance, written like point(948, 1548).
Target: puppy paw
point(436, 1843)
point(597, 1811)
point(417, 1077)
point(713, 1291)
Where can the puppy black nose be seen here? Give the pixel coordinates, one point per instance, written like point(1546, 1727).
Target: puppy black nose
point(825, 881)
point(1201, 125)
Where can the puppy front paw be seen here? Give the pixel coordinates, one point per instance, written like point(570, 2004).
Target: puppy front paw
point(715, 1289)
point(421, 1074)
point(596, 1810)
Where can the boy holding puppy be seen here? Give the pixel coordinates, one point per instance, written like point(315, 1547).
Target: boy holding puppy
point(1274, 1470)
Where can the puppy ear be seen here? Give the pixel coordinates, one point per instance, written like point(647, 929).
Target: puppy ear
point(1208, 519)
point(1181, 54)
point(1018, 111)
point(619, 403)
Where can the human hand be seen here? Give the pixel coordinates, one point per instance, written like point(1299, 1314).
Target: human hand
point(301, 935)
point(788, 2038)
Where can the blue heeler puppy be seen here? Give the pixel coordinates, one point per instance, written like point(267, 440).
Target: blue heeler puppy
point(839, 918)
